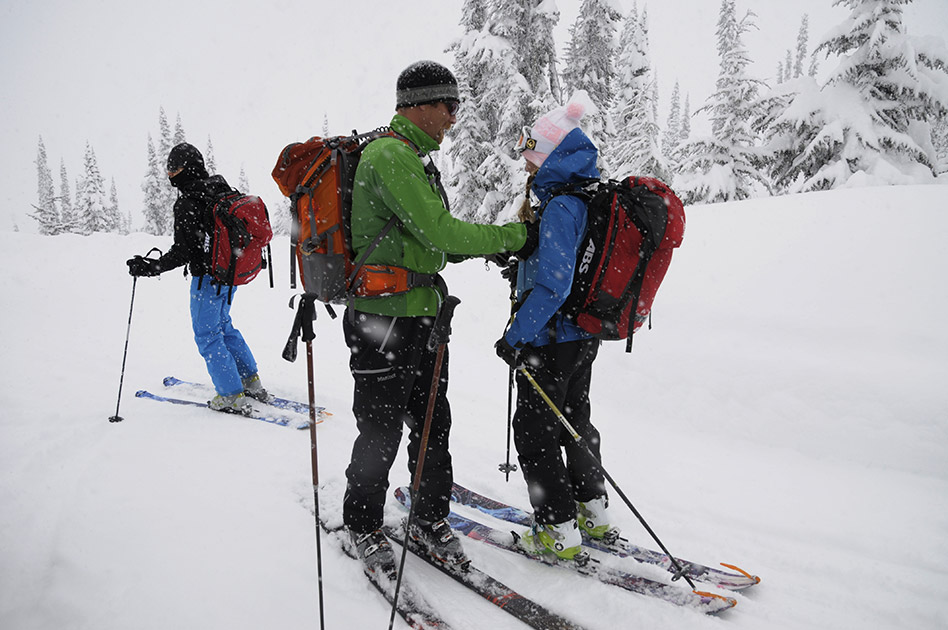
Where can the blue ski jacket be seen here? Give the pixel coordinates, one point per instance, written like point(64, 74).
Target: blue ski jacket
point(545, 278)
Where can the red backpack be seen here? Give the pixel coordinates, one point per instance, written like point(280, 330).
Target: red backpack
point(634, 225)
point(241, 233)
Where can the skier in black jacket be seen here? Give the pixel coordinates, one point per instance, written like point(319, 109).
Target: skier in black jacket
point(229, 360)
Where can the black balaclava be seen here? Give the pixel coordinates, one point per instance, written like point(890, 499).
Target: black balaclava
point(186, 156)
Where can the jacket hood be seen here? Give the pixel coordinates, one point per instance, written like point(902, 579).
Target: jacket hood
point(572, 161)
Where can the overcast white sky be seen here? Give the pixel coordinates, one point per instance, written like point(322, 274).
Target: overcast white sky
point(255, 76)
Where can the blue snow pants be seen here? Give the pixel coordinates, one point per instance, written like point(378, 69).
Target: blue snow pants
point(227, 355)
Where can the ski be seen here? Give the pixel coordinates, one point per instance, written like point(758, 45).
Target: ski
point(491, 589)
point(412, 607)
point(275, 401)
point(257, 415)
point(708, 603)
point(622, 548)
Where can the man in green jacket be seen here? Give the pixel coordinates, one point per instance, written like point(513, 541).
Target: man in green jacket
point(388, 335)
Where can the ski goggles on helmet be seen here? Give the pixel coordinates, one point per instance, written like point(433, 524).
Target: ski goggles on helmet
point(526, 141)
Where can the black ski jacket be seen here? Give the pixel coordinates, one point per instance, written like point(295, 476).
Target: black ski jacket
point(194, 225)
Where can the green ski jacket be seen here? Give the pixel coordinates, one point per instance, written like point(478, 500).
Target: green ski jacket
point(391, 179)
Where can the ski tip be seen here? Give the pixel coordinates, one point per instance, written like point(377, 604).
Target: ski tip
point(141, 393)
point(755, 579)
point(725, 603)
point(168, 380)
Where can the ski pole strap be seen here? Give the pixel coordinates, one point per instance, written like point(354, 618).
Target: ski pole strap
point(441, 331)
point(302, 326)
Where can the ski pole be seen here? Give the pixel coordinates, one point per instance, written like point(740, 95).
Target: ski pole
point(128, 332)
point(440, 333)
point(507, 467)
point(306, 316)
point(680, 571)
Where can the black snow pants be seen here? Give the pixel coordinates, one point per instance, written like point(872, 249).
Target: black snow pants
point(564, 372)
point(393, 371)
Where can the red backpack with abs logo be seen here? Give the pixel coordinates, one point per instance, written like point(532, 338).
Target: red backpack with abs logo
point(634, 225)
point(240, 235)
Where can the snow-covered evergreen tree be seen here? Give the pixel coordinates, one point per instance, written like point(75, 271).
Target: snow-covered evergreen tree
point(281, 216)
point(803, 35)
point(872, 121)
point(243, 184)
point(67, 212)
point(504, 64)
point(179, 135)
point(118, 220)
point(634, 148)
point(590, 64)
point(46, 215)
point(91, 205)
point(940, 141)
point(885, 94)
point(672, 134)
point(165, 142)
point(685, 121)
point(210, 163)
point(723, 167)
point(158, 215)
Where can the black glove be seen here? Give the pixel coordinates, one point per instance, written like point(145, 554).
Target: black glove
point(508, 353)
point(141, 266)
point(510, 272)
point(533, 239)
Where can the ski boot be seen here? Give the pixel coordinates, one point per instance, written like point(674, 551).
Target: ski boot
point(254, 388)
point(439, 541)
point(375, 552)
point(562, 540)
point(235, 403)
point(594, 521)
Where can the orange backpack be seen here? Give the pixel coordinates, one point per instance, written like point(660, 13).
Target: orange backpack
point(317, 176)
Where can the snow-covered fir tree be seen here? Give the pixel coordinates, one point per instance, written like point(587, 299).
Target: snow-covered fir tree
point(91, 204)
point(210, 162)
point(685, 131)
point(158, 215)
point(723, 167)
point(46, 213)
point(886, 92)
point(179, 135)
point(243, 184)
point(671, 136)
point(940, 141)
point(590, 64)
point(504, 63)
point(67, 212)
point(634, 148)
point(165, 142)
point(122, 224)
point(803, 35)
point(281, 217)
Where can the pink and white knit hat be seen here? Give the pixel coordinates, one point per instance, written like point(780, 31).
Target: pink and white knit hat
point(538, 142)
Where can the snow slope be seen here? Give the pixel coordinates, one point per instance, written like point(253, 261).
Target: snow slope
point(787, 413)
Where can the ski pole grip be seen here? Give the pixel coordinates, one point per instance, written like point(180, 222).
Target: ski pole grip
point(441, 331)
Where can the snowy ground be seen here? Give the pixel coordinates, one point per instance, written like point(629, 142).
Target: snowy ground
point(787, 413)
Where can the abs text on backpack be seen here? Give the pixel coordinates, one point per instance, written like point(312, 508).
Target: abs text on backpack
point(317, 176)
point(634, 225)
point(241, 233)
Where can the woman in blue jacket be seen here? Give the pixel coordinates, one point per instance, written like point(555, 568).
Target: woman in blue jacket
point(557, 353)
